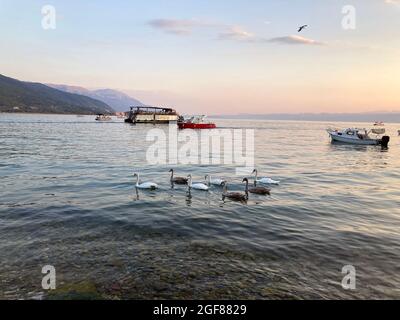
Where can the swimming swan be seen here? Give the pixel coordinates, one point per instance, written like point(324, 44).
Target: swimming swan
point(256, 190)
point(196, 186)
point(265, 180)
point(177, 180)
point(235, 196)
point(215, 182)
point(144, 185)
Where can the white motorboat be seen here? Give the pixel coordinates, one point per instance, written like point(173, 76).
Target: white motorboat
point(103, 117)
point(360, 136)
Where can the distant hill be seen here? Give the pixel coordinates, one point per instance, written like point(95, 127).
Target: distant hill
point(393, 117)
point(119, 101)
point(20, 96)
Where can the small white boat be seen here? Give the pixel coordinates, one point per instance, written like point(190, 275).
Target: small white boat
point(360, 136)
point(102, 117)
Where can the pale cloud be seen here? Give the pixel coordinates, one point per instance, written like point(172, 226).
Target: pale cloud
point(295, 40)
point(186, 27)
point(177, 26)
point(239, 34)
point(392, 2)
point(225, 32)
point(236, 33)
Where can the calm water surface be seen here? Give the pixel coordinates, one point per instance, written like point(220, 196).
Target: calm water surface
point(68, 199)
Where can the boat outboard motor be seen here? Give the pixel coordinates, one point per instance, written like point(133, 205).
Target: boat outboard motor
point(385, 141)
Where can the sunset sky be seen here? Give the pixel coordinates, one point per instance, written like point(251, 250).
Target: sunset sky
point(215, 57)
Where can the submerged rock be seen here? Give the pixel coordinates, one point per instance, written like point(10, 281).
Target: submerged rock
point(77, 291)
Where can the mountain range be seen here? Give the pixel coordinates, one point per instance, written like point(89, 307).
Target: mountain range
point(390, 117)
point(21, 96)
point(117, 100)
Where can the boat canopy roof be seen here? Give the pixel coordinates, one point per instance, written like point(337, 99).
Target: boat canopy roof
point(356, 129)
point(152, 109)
point(378, 130)
point(375, 130)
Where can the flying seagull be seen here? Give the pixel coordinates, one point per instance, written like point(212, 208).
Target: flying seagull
point(302, 27)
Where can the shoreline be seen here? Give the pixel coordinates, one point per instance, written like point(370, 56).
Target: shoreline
point(219, 117)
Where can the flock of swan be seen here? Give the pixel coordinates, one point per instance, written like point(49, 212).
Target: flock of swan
point(237, 196)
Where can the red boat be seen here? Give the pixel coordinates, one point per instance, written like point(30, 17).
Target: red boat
point(196, 122)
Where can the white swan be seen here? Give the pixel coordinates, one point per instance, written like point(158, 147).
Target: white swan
point(265, 180)
point(215, 182)
point(144, 185)
point(196, 186)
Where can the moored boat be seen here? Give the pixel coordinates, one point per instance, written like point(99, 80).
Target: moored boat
point(151, 115)
point(103, 117)
point(360, 136)
point(196, 122)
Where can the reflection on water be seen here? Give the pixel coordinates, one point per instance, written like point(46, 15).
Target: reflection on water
point(337, 145)
point(68, 199)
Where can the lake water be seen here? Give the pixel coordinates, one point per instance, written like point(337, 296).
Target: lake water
point(68, 200)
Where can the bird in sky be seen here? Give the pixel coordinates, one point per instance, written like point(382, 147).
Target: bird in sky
point(302, 27)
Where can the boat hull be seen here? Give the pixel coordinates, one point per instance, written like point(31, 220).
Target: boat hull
point(103, 119)
point(196, 125)
point(366, 142)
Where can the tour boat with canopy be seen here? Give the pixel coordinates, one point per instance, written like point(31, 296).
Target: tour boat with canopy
point(152, 115)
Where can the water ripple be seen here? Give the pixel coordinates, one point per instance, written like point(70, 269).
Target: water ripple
point(68, 199)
